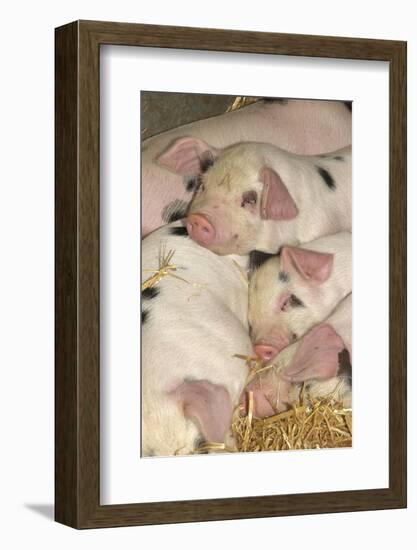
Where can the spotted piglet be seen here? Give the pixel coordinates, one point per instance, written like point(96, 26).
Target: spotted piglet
point(170, 174)
point(193, 322)
point(294, 290)
point(255, 196)
point(321, 360)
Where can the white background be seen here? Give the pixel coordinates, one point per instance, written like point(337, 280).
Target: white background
point(26, 295)
point(125, 478)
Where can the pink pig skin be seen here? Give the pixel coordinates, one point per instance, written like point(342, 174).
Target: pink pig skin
point(300, 126)
point(277, 203)
point(317, 357)
point(314, 267)
point(208, 405)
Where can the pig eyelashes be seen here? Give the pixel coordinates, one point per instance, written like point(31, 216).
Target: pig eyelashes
point(249, 198)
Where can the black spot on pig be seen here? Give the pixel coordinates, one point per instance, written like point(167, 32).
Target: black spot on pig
point(345, 366)
point(348, 105)
point(338, 157)
point(144, 316)
point(258, 258)
point(150, 293)
point(280, 100)
point(175, 210)
point(191, 183)
point(283, 277)
point(179, 231)
point(206, 162)
point(327, 178)
point(296, 302)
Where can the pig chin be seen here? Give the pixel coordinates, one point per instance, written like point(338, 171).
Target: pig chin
point(225, 247)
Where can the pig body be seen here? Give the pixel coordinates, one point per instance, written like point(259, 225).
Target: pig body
point(291, 292)
point(301, 126)
point(191, 328)
point(255, 196)
point(321, 360)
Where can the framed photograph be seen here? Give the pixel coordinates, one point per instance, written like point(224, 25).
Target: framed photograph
point(230, 274)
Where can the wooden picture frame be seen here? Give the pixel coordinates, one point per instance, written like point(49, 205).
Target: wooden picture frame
point(77, 373)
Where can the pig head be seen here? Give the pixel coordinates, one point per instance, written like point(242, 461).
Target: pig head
point(291, 292)
point(233, 198)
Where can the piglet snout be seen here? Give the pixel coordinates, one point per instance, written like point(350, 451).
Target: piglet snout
point(265, 351)
point(200, 229)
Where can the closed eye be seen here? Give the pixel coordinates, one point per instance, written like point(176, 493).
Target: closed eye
point(249, 197)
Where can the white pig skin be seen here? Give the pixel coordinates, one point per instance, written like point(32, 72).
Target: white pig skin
point(300, 126)
point(278, 282)
point(316, 189)
point(191, 331)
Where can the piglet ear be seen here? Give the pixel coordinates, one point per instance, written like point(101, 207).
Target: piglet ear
point(317, 357)
point(276, 202)
point(315, 267)
point(208, 405)
point(187, 155)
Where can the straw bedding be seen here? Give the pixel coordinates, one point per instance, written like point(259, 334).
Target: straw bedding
point(321, 424)
point(309, 424)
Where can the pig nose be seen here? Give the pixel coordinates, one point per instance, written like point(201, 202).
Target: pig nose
point(265, 351)
point(200, 229)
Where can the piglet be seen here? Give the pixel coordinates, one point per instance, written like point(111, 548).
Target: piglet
point(255, 196)
point(294, 290)
point(193, 323)
point(170, 177)
point(321, 360)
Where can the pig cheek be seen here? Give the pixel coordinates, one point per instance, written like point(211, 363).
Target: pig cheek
point(245, 232)
point(301, 322)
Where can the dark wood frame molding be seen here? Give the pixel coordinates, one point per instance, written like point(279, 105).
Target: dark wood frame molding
point(77, 371)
